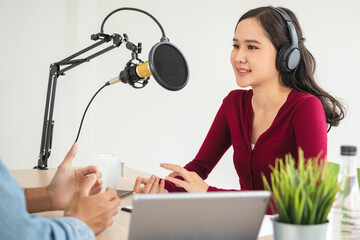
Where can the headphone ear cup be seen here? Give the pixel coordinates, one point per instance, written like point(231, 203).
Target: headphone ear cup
point(292, 59)
point(281, 59)
point(287, 58)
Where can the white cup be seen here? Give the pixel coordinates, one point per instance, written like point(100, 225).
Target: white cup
point(108, 165)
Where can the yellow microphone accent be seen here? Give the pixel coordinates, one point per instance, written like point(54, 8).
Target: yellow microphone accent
point(143, 70)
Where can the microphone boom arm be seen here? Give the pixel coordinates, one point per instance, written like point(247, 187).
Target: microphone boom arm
point(54, 73)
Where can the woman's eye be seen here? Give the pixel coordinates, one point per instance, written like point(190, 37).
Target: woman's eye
point(252, 47)
point(236, 46)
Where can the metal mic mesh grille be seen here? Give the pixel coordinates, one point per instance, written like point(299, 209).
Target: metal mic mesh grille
point(170, 66)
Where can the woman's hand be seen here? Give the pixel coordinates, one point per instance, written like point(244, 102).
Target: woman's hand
point(192, 181)
point(150, 185)
point(67, 181)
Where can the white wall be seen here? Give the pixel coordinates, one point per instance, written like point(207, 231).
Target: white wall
point(152, 125)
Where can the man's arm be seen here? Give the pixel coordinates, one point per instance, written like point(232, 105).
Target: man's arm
point(76, 192)
point(17, 223)
point(86, 211)
point(37, 200)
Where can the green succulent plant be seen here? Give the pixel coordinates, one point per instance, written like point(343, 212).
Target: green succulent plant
point(303, 192)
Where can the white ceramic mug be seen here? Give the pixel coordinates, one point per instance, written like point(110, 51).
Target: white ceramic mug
point(108, 165)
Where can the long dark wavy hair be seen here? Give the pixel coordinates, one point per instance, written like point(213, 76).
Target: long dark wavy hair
point(302, 77)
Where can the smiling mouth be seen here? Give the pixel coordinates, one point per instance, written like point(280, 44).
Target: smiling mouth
point(243, 72)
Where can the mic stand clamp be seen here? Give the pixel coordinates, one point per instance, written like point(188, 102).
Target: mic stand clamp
point(135, 51)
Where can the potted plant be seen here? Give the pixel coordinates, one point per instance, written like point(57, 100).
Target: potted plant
point(303, 193)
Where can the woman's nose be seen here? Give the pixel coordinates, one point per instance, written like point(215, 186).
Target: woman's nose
point(241, 56)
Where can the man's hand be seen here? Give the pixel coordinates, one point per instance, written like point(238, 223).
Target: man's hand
point(66, 181)
point(150, 185)
point(62, 187)
point(97, 210)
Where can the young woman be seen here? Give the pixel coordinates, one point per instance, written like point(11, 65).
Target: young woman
point(285, 109)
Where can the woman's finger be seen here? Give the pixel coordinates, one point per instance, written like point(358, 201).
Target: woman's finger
point(137, 184)
point(149, 184)
point(155, 186)
point(176, 169)
point(173, 174)
point(162, 187)
point(177, 182)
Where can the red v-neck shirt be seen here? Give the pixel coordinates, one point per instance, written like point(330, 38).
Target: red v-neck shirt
point(300, 122)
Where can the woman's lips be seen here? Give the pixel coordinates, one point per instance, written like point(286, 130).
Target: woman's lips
point(243, 71)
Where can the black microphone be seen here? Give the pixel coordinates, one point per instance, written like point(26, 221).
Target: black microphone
point(166, 64)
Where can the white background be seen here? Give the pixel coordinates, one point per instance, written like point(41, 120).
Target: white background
point(152, 125)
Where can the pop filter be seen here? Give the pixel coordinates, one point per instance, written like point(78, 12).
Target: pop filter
point(168, 66)
point(166, 63)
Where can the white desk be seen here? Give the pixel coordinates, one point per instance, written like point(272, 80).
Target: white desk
point(120, 227)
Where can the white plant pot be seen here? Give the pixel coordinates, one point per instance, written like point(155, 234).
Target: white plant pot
point(285, 231)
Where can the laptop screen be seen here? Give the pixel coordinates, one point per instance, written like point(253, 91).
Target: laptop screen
point(215, 215)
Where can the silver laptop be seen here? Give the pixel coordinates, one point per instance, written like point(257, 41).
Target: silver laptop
point(216, 215)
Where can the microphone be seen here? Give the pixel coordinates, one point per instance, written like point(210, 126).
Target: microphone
point(166, 64)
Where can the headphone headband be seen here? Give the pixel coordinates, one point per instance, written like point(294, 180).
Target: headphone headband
point(290, 26)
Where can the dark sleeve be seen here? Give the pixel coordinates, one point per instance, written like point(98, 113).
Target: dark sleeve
point(216, 143)
point(310, 128)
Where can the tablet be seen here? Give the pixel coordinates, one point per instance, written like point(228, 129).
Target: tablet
point(215, 215)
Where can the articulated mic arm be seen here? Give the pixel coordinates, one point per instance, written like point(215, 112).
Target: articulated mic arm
point(54, 72)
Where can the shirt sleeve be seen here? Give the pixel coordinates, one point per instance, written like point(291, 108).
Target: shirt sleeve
point(216, 143)
point(17, 223)
point(310, 128)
